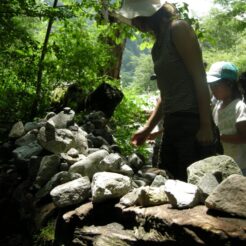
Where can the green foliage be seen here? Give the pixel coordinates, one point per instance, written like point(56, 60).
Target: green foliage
point(221, 30)
point(129, 116)
point(226, 33)
point(19, 57)
point(141, 79)
point(233, 54)
point(15, 98)
point(130, 60)
point(17, 68)
point(32, 8)
point(234, 8)
point(46, 235)
point(183, 9)
point(77, 52)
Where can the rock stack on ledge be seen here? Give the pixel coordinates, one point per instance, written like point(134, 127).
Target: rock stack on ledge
point(54, 167)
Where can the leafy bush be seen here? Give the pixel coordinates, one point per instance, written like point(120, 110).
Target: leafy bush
point(129, 116)
point(46, 235)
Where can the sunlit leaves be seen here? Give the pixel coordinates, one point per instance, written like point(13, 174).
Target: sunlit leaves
point(226, 33)
point(78, 52)
point(129, 116)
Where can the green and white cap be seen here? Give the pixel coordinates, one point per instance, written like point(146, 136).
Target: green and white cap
point(222, 70)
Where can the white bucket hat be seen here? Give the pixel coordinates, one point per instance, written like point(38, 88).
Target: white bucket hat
point(134, 8)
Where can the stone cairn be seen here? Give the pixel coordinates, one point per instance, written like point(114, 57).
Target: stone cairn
point(63, 165)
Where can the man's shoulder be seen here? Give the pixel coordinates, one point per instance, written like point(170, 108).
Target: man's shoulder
point(181, 29)
point(179, 24)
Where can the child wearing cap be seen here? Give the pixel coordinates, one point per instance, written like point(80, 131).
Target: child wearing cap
point(184, 102)
point(230, 111)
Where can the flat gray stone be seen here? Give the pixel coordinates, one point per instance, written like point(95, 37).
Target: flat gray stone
point(229, 196)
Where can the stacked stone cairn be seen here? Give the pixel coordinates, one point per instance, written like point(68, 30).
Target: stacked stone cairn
point(71, 165)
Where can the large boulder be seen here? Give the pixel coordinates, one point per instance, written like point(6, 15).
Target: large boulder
point(71, 193)
point(89, 165)
point(61, 140)
point(229, 196)
point(181, 194)
point(222, 165)
point(105, 98)
point(49, 166)
point(106, 186)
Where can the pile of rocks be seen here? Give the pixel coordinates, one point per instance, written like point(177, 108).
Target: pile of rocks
point(64, 165)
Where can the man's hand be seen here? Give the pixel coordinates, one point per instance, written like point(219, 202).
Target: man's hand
point(205, 135)
point(140, 136)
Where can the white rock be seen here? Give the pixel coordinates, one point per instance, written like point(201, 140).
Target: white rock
point(181, 194)
point(106, 185)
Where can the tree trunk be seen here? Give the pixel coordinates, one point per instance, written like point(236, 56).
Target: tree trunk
point(117, 51)
point(40, 66)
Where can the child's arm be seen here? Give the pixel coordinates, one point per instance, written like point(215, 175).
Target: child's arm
point(239, 137)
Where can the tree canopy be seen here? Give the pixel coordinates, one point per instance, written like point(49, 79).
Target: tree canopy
point(225, 31)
